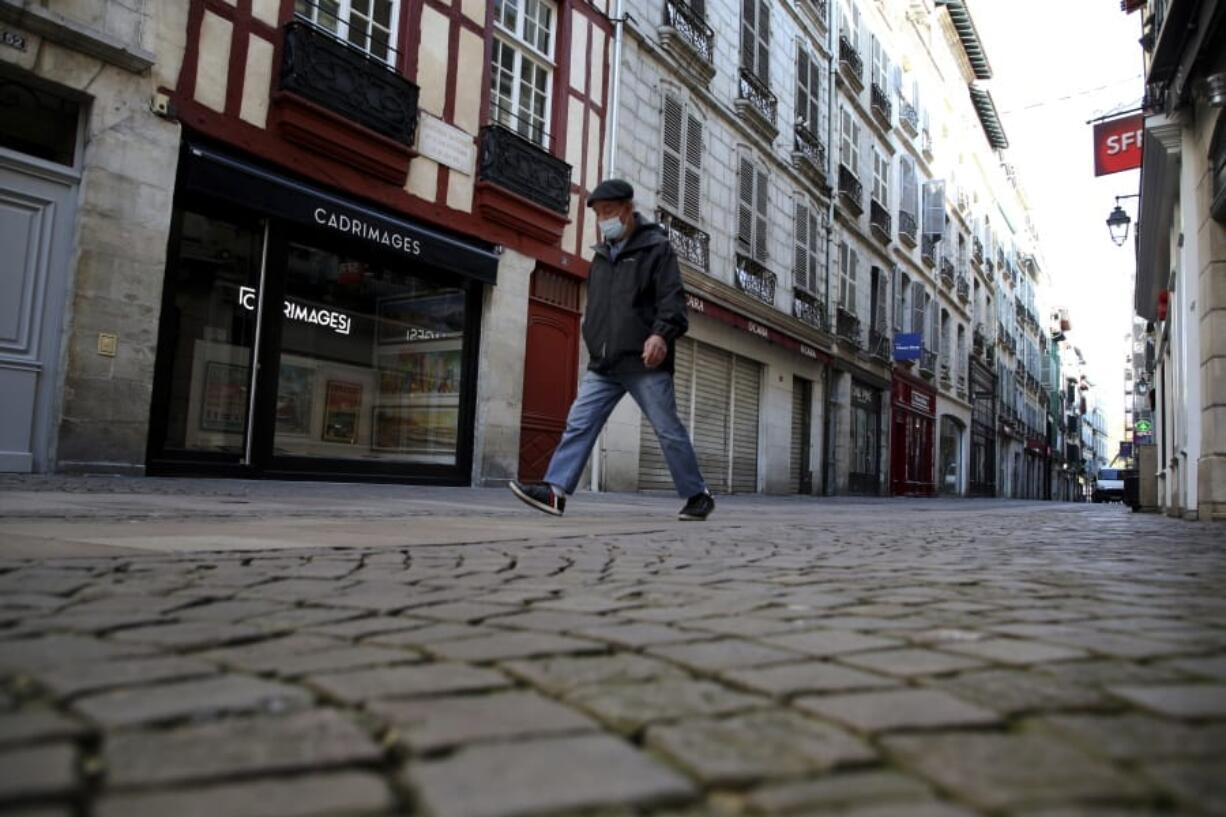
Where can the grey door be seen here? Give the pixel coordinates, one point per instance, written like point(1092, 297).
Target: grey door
point(37, 204)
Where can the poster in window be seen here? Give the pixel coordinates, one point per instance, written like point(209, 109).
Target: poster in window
point(342, 405)
point(225, 397)
point(416, 429)
point(420, 372)
point(295, 393)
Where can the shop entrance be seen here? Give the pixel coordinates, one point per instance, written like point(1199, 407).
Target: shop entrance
point(551, 369)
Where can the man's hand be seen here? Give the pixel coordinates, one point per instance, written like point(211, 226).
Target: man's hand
point(654, 351)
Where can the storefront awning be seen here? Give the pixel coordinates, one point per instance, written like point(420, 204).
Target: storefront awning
point(219, 175)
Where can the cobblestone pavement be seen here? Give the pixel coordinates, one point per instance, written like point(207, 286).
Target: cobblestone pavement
point(790, 657)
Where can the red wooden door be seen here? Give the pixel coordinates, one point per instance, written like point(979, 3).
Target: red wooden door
point(551, 369)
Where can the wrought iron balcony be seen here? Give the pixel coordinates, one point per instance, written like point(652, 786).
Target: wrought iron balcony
point(961, 388)
point(347, 81)
point(881, 222)
point(851, 190)
point(1021, 370)
point(977, 250)
point(756, 92)
point(879, 345)
point(928, 362)
point(822, 9)
point(847, 327)
point(851, 63)
point(692, 28)
point(755, 280)
point(929, 252)
point(947, 273)
point(883, 109)
point(524, 168)
point(908, 117)
point(907, 228)
point(691, 244)
point(947, 378)
point(989, 270)
point(1019, 311)
point(810, 309)
point(964, 290)
point(809, 154)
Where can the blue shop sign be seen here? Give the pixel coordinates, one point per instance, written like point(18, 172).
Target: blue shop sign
point(908, 345)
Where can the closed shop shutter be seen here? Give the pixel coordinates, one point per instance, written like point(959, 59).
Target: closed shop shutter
point(801, 476)
point(747, 383)
point(712, 399)
point(653, 471)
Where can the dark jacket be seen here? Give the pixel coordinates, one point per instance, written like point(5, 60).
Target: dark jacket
point(628, 301)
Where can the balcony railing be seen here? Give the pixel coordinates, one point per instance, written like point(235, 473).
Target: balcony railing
point(810, 153)
point(989, 270)
point(928, 362)
point(881, 222)
point(929, 252)
point(524, 168)
point(883, 109)
point(908, 117)
point(851, 190)
point(810, 310)
point(907, 228)
point(822, 9)
point(850, 62)
point(692, 28)
point(947, 273)
point(756, 92)
point(755, 280)
point(879, 345)
point(347, 81)
point(690, 244)
point(976, 250)
point(947, 378)
point(961, 387)
point(964, 290)
point(847, 326)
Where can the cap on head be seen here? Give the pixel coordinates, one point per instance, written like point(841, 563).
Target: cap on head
point(611, 190)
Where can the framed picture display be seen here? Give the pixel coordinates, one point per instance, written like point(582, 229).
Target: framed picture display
point(224, 401)
point(420, 429)
point(295, 394)
point(342, 407)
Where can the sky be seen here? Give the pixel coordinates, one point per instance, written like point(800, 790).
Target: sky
point(1057, 64)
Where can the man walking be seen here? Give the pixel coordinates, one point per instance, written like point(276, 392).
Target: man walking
point(635, 313)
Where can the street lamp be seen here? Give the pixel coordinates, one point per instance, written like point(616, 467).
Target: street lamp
point(1118, 221)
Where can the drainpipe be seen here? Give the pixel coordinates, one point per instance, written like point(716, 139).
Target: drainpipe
point(609, 170)
point(831, 173)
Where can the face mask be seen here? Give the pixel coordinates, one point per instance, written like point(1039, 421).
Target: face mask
point(612, 229)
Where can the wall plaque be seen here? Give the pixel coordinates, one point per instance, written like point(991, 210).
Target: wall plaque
point(446, 144)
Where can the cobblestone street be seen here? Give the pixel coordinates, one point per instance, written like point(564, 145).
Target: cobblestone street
point(224, 648)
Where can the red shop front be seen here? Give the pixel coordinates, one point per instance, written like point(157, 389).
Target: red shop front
point(912, 438)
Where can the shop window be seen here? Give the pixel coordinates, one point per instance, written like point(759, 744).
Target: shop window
point(38, 122)
point(368, 25)
point(521, 70)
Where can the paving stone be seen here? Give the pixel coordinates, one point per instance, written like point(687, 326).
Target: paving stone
point(1111, 672)
point(1012, 692)
point(1214, 668)
point(335, 660)
point(1016, 652)
point(746, 626)
point(254, 657)
point(1100, 811)
point(1136, 736)
point(1115, 645)
point(755, 746)
point(1198, 785)
point(578, 603)
point(301, 617)
point(729, 653)
point(1178, 700)
point(38, 771)
point(928, 809)
point(510, 645)
point(232, 611)
point(842, 789)
point(827, 643)
point(551, 621)
point(559, 675)
point(434, 634)
point(545, 776)
point(190, 699)
point(408, 681)
point(314, 740)
point(31, 654)
point(639, 635)
point(340, 794)
point(366, 627)
point(810, 676)
point(997, 771)
point(194, 635)
point(37, 726)
point(96, 623)
point(462, 612)
point(890, 710)
point(629, 707)
point(429, 725)
point(910, 663)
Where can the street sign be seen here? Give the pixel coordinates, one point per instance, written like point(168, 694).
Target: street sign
point(1117, 144)
point(908, 345)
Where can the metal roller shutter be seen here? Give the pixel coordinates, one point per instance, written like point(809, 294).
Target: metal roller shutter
point(653, 471)
point(747, 384)
point(712, 399)
point(801, 476)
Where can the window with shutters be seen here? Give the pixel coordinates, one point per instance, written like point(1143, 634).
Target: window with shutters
point(902, 288)
point(918, 305)
point(808, 92)
point(848, 261)
point(908, 188)
point(881, 65)
point(755, 38)
point(849, 25)
point(807, 243)
point(849, 142)
point(521, 71)
point(881, 178)
point(751, 233)
point(879, 298)
point(370, 26)
point(681, 161)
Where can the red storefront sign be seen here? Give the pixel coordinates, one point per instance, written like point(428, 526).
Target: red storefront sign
point(1117, 144)
point(912, 439)
point(726, 316)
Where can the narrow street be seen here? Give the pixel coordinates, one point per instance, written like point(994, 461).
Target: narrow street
point(268, 648)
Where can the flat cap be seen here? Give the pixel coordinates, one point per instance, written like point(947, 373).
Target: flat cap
point(611, 190)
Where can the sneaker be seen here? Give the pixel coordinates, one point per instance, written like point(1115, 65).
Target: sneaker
point(540, 496)
point(697, 508)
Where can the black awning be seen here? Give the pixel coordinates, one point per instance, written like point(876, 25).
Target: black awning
point(235, 180)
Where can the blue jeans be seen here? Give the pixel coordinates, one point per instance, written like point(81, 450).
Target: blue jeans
point(598, 395)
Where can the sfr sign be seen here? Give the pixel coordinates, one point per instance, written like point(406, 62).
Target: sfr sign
point(1117, 144)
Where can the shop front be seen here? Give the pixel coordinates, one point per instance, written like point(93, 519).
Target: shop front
point(864, 473)
point(982, 475)
point(307, 334)
point(912, 439)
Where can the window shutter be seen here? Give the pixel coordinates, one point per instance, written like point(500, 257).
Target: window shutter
point(900, 300)
point(670, 161)
point(800, 265)
point(880, 313)
point(764, 42)
point(896, 88)
point(699, 8)
point(760, 249)
point(748, 34)
point(744, 230)
point(934, 208)
point(692, 200)
point(851, 283)
point(917, 306)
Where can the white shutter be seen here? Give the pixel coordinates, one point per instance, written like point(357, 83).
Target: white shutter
point(712, 399)
point(653, 470)
point(692, 199)
point(760, 251)
point(745, 211)
point(900, 288)
point(851, 282)
point(670, 161)
point(747, 385)
point(800, 259)
point(917, 306)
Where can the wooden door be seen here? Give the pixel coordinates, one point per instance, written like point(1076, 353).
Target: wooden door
point(551, 369)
